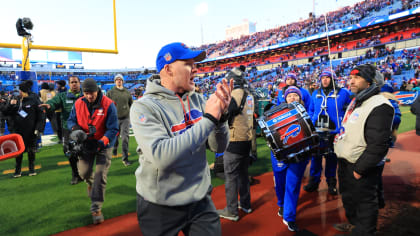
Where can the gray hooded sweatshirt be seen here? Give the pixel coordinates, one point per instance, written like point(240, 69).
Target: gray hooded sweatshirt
point(172, 133)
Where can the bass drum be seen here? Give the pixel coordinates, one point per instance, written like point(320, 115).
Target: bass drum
point(289, 131)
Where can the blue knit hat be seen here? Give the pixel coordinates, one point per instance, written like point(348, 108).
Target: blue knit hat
point(328, 73)
point(292, 89)
point(291, 75)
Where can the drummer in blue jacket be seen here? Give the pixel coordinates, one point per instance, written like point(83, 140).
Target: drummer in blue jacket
point(291, 80)
point(328, 107)
point(288, 175)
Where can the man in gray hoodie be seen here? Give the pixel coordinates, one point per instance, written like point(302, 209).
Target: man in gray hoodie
point(172, 125)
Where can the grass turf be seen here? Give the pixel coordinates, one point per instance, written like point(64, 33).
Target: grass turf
point(47, 203)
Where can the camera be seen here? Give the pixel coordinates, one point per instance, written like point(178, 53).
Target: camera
point(77, 138)
point(23, 26)
point(75, 149)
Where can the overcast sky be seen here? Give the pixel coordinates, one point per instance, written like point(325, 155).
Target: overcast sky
point(143, 27)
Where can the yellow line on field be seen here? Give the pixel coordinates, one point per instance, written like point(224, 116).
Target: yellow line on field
point(63, 163)
point(23, 169)
point(119, 155)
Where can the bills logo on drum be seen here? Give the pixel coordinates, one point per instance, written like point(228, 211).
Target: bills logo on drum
point(292, 131)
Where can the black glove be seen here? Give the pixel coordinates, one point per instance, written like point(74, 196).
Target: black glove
point(101, 145)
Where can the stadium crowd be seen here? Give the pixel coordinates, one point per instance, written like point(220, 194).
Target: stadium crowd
point(338, 19)
point(399, 68)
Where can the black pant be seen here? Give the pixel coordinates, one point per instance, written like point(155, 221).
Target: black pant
point(359, 198)
point(236, 181)
point(198, 218)
point(31, 160)
point(381, 197)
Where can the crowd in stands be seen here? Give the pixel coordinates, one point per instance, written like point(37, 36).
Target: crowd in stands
point(340, 18)
point(375, 38)
point(400, 68)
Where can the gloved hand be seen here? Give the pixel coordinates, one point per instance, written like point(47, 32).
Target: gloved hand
point(102, 143)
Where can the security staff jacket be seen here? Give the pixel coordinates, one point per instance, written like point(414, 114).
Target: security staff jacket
point(364, 138)
point(243, 123)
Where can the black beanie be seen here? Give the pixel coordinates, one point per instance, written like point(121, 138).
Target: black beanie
point(366, 71)
point(45, 86)
point(25, 87)
point(62, 83)
point(89, 85)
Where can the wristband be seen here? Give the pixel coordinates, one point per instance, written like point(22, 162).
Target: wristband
point(212, 118)
point(224, 118)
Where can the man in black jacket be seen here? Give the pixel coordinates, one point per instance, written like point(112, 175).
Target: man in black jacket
point(361, 144)
point(27, 121)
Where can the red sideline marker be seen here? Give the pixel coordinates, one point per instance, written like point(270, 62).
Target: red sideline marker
point(11, 146)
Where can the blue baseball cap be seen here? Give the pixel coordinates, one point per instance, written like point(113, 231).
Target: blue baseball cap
point(177, 51)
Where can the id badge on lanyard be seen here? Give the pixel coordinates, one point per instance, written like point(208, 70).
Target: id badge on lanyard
point(21, 112)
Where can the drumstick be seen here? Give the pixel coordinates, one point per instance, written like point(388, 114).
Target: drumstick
point(331, 68)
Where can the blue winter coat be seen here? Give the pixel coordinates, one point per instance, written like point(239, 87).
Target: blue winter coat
point(319, 99)
point(397, 113)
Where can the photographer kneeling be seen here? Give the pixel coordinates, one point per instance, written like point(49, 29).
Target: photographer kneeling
point(96, 115)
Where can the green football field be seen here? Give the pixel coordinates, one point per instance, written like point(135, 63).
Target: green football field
point(47, 203)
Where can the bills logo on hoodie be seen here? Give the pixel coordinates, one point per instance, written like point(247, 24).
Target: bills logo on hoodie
point(190, 119)
point(142, 118)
